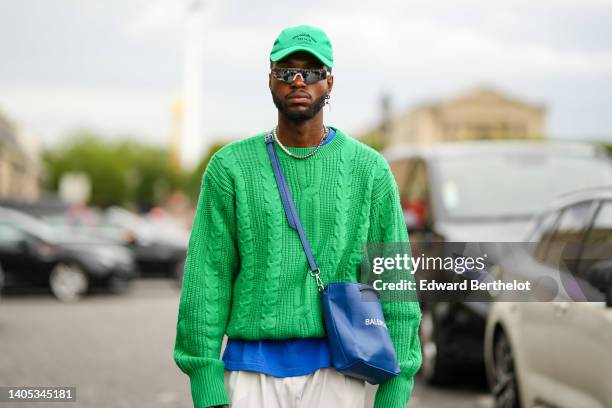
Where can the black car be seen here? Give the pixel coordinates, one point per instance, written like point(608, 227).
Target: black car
point(1, 279)
point(486, 192)
point(35, 255)
point(159, 247)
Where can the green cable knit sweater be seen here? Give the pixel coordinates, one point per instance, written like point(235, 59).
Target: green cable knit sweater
point(246, 273)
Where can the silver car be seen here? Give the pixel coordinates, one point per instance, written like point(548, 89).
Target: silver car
point(558, 351)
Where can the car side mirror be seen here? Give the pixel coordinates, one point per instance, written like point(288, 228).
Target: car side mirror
point(600, 276)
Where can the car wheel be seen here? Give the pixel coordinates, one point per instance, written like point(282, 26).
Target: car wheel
point(68, 282)
point(505, 384)
point(435, 370)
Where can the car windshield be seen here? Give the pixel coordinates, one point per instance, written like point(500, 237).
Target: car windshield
point(513, 185)
point(35, 227)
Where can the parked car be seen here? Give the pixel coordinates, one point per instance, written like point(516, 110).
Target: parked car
point(558, 353)
point(35, 255)
point(480, 191)
point(159, 246)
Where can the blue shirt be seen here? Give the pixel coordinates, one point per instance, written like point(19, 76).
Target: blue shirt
point(279, 358)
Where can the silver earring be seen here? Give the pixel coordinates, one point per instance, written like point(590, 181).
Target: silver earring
point(327, 101)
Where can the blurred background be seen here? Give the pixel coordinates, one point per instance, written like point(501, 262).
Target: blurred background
point(494, 116)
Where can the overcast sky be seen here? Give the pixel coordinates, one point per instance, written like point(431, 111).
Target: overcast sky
point(115, 66)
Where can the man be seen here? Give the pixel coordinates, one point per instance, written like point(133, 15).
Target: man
point(246, 273)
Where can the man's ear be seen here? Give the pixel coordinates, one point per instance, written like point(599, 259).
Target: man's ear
point(330, 82)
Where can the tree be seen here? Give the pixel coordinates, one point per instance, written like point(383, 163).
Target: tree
point(120, 172)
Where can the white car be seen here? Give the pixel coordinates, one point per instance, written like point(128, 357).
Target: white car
point(558, 353)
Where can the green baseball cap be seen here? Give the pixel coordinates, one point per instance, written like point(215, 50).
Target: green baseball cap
point(303, 38)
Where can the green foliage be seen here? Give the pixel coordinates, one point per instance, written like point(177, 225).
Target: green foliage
point(121, 173)
point(85, 152)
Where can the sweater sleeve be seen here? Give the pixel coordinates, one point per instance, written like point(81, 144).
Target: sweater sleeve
point(387, 225)
point(210, 267)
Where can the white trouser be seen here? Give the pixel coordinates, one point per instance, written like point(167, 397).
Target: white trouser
point(326, 387)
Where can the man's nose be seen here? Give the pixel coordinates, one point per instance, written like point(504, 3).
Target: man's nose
point(295, 82)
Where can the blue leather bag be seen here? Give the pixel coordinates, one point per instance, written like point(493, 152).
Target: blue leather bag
point(359, 340)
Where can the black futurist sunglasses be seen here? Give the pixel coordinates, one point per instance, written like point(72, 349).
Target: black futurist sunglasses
point(309, 76)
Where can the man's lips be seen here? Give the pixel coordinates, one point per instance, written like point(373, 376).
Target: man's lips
point(298, 98)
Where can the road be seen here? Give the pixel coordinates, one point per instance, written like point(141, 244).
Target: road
point(117, 351)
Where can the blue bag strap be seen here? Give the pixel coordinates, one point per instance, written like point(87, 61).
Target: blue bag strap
point(290, 211)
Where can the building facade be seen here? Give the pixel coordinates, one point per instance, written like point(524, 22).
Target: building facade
point(478, 114)
point(21, 175)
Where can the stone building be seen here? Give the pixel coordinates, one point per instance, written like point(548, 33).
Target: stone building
point(478, 114)
point(20, 165)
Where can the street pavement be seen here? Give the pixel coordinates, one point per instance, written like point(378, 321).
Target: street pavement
point(117, 351)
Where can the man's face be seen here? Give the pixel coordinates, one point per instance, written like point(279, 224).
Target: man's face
point(299, 101)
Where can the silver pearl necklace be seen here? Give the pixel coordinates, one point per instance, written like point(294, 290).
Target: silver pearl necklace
point(325, 132)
